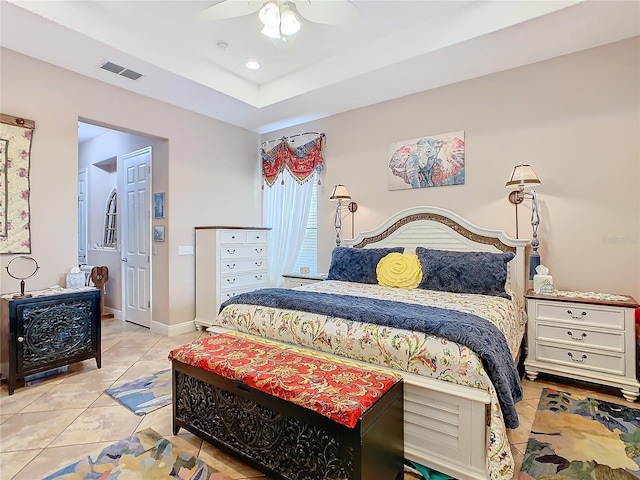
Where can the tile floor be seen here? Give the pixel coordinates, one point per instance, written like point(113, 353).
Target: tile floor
point(46, 426)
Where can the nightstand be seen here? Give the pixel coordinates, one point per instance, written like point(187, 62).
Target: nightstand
point(50, 329)
point(292, 280)
point(584, 336)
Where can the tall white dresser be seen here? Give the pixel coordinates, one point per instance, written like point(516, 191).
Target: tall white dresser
point(229, 261)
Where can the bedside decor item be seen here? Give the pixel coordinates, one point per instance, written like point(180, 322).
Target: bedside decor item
point(15, 147)
point(21, 268)
point(341, 195)
point(542, 281)
point(158, 233)
point(431, 161)
point(523, 177)
point(581, 437)
point(75, 278)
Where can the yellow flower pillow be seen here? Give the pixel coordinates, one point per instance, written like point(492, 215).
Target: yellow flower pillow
point(400, 270)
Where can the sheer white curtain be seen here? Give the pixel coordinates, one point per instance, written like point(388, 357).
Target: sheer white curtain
point(286, 212)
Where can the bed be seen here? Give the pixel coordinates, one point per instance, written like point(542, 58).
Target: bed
point(455, 421)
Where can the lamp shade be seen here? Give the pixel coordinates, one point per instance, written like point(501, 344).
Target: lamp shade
point(289, 23)
point(270, 15)
point(340, 192)
point(523, 176)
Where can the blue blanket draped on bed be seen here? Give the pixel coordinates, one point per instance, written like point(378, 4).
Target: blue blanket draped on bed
point(467, 329)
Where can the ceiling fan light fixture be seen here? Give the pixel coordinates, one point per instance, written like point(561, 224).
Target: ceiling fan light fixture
point(270, 15)
point(289, 23)
point(271, 32)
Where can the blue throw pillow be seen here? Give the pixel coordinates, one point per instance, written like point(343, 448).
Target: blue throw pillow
point(483, 273)
point(357, 264)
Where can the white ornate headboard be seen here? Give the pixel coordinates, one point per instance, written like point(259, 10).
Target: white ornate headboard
point(435, 227)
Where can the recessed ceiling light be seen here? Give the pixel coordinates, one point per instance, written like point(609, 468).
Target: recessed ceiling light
point(252, 65)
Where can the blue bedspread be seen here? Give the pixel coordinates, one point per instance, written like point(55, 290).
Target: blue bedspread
point(467, 329)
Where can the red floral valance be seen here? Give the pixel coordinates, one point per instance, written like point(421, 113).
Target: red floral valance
point(301, 161)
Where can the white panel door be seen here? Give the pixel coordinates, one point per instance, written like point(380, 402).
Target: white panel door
point(136, 237)
point(82, 215)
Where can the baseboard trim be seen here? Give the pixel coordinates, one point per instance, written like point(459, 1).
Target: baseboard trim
point(117, 314)
point(173, 330)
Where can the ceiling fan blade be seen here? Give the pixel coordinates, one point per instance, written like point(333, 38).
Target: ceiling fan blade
point(231, 9)
point(329, 12)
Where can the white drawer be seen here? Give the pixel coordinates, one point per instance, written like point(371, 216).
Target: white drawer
point(233, 236)
point(256, 236)
point(244, 265)
point(244, 279)
point(229, 252)
point(298, 282)
point(575, 336)
point(227, 294)
point(600, 316)
point(613, 364)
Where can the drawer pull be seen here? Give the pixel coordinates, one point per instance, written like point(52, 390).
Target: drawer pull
point(258, 277)
point(20, 339)
point(577, 360)
point(231, 251)
point(231, 280)
point(231, 266)
point(258, 264)
point(577, 317)
point(258, 250)
point(577, 339)
point(233, 237)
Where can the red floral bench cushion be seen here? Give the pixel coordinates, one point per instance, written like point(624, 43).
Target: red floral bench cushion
point(340, 391)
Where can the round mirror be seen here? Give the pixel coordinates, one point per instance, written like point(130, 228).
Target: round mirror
point(21, 268)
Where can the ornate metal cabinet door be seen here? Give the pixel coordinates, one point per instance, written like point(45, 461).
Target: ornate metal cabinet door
point(50, 331)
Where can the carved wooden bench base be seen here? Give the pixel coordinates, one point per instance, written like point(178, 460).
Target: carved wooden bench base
point(286, 441)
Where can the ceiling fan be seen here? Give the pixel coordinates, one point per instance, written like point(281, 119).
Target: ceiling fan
point(280, 17)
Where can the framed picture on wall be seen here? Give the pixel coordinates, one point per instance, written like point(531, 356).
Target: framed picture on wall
point(158, 233)
point(429, 161)
point(158, 205)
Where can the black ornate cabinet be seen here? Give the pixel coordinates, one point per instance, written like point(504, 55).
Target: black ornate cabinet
point(47, 331)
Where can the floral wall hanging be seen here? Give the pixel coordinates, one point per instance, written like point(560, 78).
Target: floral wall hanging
point(15, 148)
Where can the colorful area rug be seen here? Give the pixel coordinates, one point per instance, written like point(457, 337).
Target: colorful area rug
point(145, 394)
point(144, 455)
point(575, 437)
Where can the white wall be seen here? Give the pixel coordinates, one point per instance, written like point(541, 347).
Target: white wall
point(209, 172)
point(575, 119)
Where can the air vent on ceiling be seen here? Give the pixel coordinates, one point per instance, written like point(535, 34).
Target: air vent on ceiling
point(119, 70)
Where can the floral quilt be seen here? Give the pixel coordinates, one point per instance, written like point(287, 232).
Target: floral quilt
point(404, 350)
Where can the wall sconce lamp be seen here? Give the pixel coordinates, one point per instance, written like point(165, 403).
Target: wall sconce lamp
point(341, 195)
point(523, 177)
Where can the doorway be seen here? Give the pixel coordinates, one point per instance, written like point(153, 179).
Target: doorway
point(120, 162)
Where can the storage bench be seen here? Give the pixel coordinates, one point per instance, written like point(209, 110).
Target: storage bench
point(291, 414)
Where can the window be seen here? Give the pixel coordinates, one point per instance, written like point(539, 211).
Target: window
point(308, 256)
point(111, 222)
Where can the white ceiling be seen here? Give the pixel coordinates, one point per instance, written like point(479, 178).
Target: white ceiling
point(396, 48)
